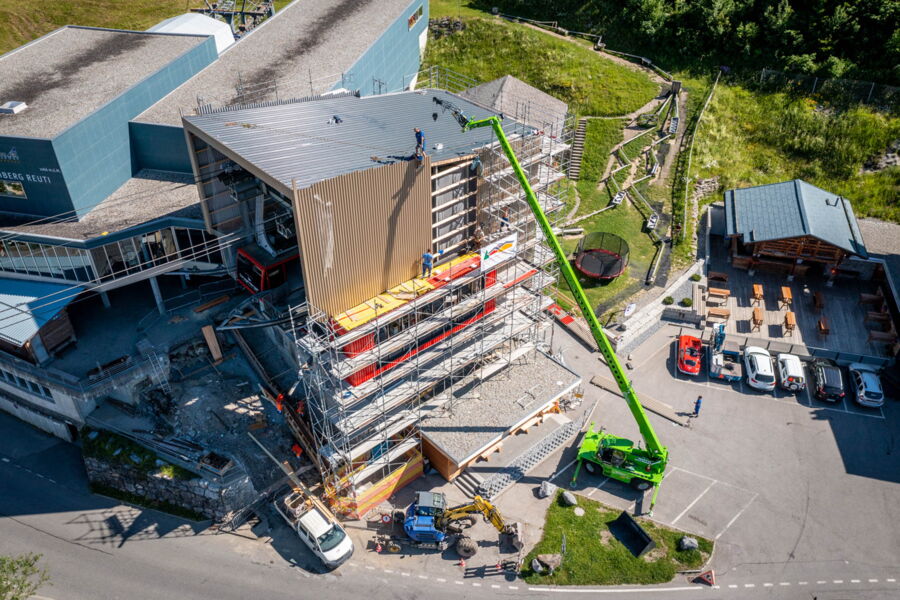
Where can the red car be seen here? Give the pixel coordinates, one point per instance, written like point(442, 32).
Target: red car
point(690, 349)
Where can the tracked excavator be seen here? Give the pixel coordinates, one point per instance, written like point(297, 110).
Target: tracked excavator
point(615, 457)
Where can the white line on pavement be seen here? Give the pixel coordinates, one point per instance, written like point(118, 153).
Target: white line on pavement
point(495, 586)
point(784, 583)
point(422, 576)
point(854, 581)
point(733, 585)
point(697, 499)
point(837, 581)
point(4, 459)
point(890, 580)
point(802, 582)
point(404, 574)
point(370, 567)
point(735, 517)
point(513, 587)
point(768, 584)
point(440, 580)
point(873, 581)
point(749, 585)
point(388, 571)
point(821, 581)
point(460, 582)
point(476, 584)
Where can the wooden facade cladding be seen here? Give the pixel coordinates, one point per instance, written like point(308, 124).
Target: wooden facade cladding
point(363, 232)
point(805, 247)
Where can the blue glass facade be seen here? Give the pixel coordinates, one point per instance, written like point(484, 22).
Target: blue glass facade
point(390, 63)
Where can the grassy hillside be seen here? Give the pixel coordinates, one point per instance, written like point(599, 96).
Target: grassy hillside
point(21, 22)
point(591, 85)
point(751, 138)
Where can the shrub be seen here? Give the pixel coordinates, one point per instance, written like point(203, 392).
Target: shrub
point(668, 300)
point(695, 277)
point(686, 302)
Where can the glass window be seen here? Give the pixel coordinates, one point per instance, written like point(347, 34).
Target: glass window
point(12, 188)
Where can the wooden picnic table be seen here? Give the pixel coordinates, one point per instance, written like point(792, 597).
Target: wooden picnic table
point(757, 321)
point(757, 293)
point(719, 292)
point(722, 313)
point(878, 317)
point(717, 276)
point(787, 298)
point(822, 326)
point(887, 337)
point(871, 298)
point(819, 300)
point(790, 322)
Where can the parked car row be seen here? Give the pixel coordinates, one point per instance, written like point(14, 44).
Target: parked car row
point(764, 373)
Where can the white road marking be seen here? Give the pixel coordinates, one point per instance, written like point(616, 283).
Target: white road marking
point(768, 584)
point(39, 475)
point(873, 581)
point(388, 571)
point(749, 585)
point(854, 581)
point(837, 581)
point(404, 574)
point(890, 580)
point(495, 586)
point(565, 468)
point(802, 582)
point(733, 586)
point(821, 582)
point(440, 580)
point(735, 517)
point(784, 583)
point(513, 587)
point(370, 567)
point(476, 584)
point(422, 576)
point(697, 499)
point(4, 459)
point(460, 582)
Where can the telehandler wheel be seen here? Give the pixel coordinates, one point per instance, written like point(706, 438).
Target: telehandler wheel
point(590, 467)
point(399, 516)
point(640, 484)
point(466, 547)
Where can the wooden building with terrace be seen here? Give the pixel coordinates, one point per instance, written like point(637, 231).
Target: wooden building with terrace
point(791, 228)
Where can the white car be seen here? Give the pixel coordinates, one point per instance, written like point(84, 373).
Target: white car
point(790, 373)
point(760, 371)
point(866, 385)
point(324, 536)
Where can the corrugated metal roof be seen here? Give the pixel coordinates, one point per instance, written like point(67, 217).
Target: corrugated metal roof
point(304, 142)
point(792, 209)
point(26, 306)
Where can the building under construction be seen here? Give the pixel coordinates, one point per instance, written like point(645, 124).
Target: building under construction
point(400, 365)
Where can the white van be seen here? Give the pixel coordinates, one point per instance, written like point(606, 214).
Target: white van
point(791, 373)
point(318, 529)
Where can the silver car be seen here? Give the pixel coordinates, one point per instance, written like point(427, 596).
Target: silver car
point(760, 370)
point(866, 385)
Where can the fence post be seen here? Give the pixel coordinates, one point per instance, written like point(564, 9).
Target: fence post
point(762, 74)
point(871, 89)
point(815, 81)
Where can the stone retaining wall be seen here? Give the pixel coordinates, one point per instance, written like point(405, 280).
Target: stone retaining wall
point(200, 495)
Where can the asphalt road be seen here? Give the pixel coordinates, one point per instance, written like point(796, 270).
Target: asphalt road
point(96, 548)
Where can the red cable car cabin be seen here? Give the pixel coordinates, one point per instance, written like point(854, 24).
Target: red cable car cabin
point(258, 271)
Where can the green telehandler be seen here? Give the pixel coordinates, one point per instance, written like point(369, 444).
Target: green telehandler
point(615, 457)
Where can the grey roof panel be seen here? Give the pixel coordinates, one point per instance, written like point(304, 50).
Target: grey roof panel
point(302, 141)
point(69, 73)
point(26, 306)
point(314, 40)
point(520, 100)
point(792, 209)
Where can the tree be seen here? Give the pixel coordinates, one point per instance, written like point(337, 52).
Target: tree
point(20, 576)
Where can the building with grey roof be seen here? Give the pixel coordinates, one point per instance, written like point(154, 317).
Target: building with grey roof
point(792, 221)
point(521, 101)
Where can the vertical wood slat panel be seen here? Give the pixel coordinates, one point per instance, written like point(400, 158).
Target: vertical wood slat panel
point(363, 232)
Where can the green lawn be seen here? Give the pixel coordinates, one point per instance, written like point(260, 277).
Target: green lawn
point(751, 138)
point(453, 8)
point(590, 84)
point(21, 22)
point(626, 222)
point(596, 558)
point(599, 138)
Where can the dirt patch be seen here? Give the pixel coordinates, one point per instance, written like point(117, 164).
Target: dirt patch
point(654, 555)
point(606, 537)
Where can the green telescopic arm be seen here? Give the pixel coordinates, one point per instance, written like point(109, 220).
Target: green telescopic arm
point(568, 273)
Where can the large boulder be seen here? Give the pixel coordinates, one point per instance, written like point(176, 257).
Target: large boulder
point(550, 561)
point(687, 542)
point(568, 498)
point(547, 489)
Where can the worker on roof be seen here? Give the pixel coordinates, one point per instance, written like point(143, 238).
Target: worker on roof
point(420, 139)
point(428, 262)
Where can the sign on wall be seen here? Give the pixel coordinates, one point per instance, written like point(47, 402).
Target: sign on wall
point(497, 252)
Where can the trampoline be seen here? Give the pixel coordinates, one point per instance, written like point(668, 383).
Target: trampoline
point(602, 255)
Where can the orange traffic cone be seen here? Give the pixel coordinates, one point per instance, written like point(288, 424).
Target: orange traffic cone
point(378, 547)
point(462, 563)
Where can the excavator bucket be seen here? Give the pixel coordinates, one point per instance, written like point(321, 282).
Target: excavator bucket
point(516, 535)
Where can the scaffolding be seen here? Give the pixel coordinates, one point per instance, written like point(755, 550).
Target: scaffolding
point(369, 385)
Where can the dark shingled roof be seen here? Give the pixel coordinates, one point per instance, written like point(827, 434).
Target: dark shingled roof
point(792, 209)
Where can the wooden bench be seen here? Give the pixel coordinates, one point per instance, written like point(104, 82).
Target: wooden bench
point(790, 322)
point(787, 298)
point(875, 299)
point(822, 326)
point(721, 313)
point(756, 322)
point(878, 317)
point(819, 301)
point(885, 337)
point(717, 276)
point(757, 293)
point(719, 292)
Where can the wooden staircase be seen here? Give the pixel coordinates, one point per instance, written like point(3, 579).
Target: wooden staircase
point(577, 150)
